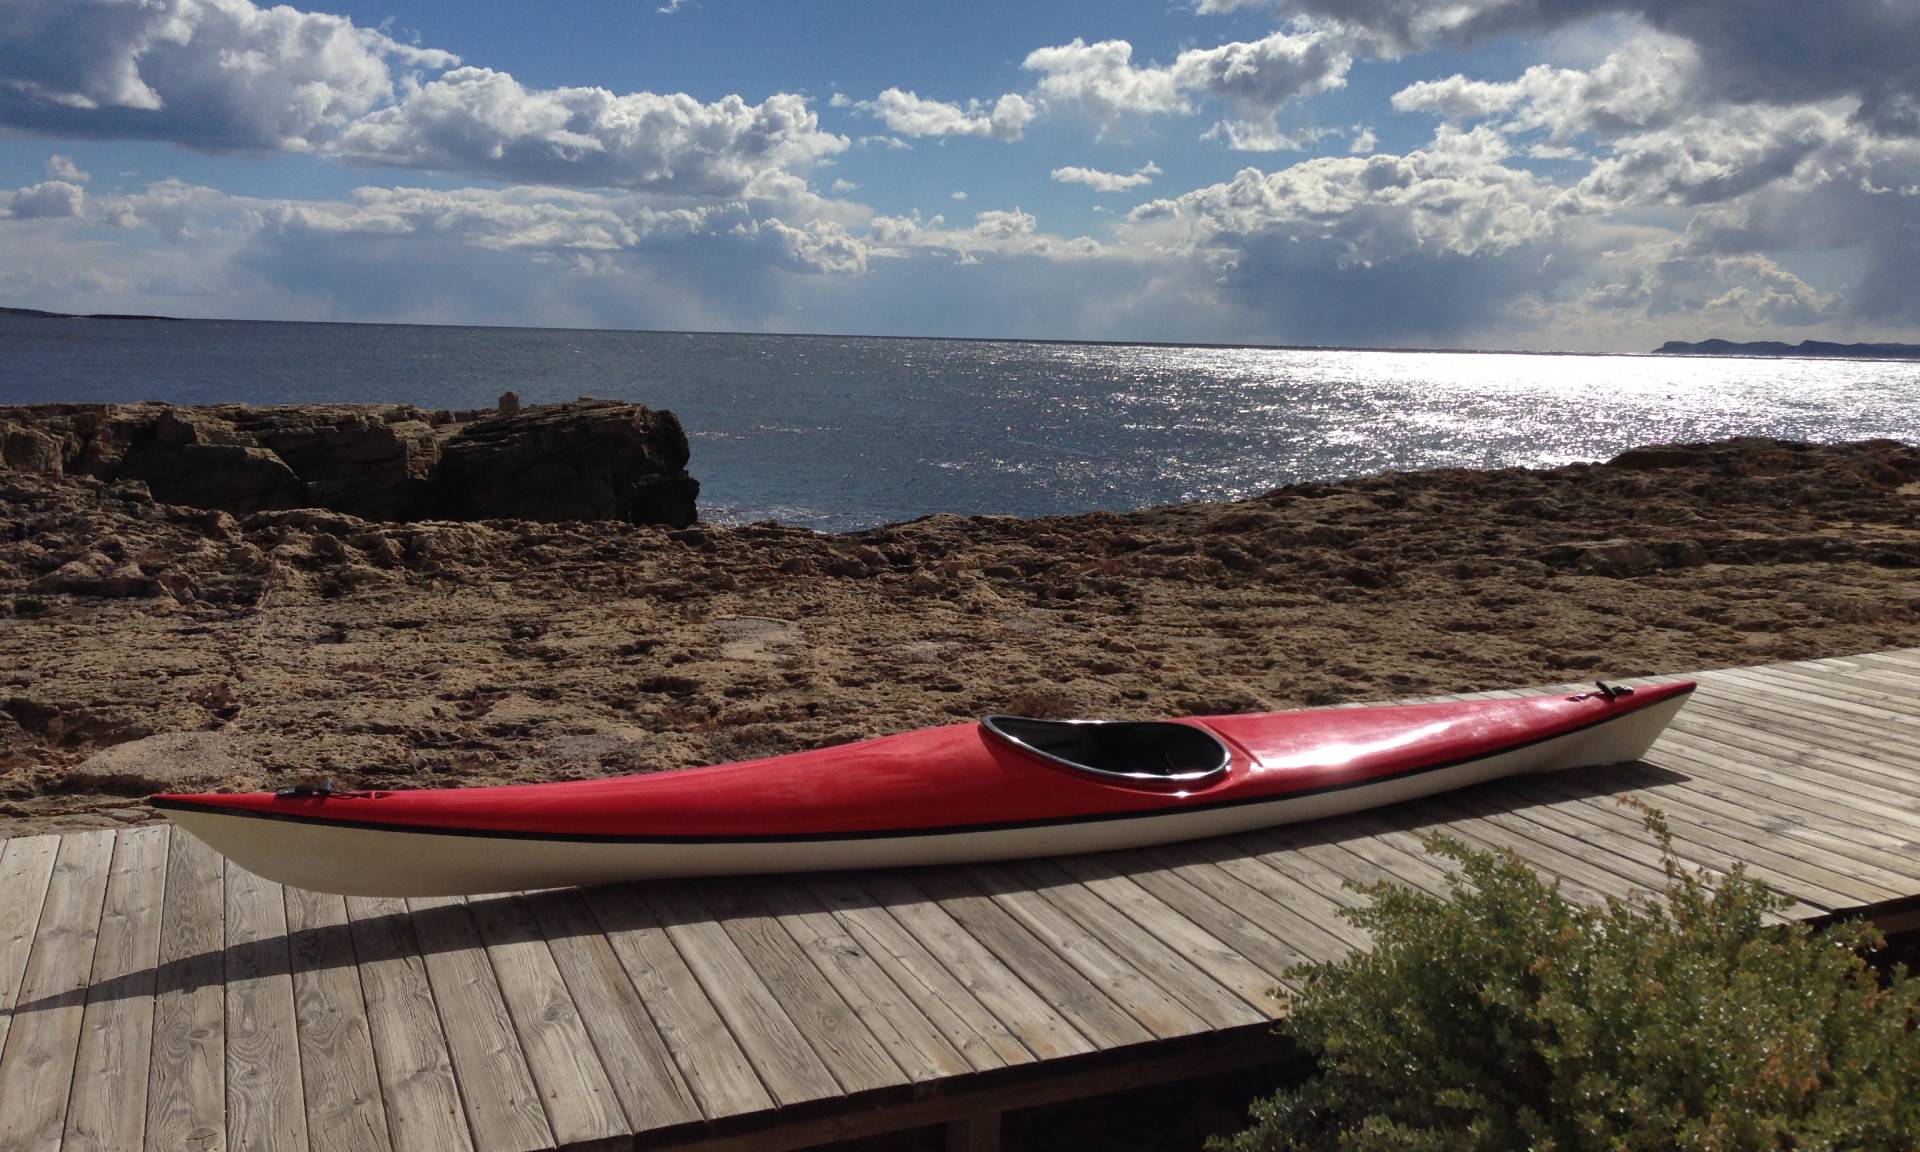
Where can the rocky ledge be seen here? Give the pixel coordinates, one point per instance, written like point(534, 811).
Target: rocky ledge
point(590, 460)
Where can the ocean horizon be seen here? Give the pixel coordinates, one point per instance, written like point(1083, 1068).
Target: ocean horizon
point(843, 432)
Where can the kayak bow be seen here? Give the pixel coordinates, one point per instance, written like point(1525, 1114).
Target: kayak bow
point(1004, 788)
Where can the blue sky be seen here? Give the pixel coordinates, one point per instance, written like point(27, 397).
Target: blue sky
point(1480, 173)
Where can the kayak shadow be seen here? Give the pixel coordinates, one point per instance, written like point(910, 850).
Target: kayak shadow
point(700, 928)
point(1538, 816)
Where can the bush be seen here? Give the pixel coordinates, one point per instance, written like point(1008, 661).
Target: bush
point(1505, 1017)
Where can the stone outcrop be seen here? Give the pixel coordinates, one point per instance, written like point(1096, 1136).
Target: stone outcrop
point(591, 460)
point(585, 461)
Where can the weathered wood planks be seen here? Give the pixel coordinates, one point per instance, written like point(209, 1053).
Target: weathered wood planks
point(153, 996)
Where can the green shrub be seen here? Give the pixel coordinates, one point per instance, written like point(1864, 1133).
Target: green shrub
point(1506, 1017)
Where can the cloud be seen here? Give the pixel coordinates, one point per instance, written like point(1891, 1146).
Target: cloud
point(1364, 140)
point(1260, 77)
point(1766, 51)
point(213, 74)
point(1255, 79)
point(913, 115)
point(52, 199)
point(229, 75)
point(1107, 181)
point(63, 168)
point(1421, 248)
point(486, 123)
point(958, 196)
point(1718, 156)
point(1642, 85)
point(1100, 78)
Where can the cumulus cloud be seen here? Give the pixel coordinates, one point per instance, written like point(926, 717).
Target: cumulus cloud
point(1455, 196)
point(1642, 85)
point(913, 115)
point(63, 168)
point(51, 199)
point(1101, 79)
point(1107, 181)
point(230, 75)
point(483, 122)
point(1768, 51)
point(216, 74)
point(1255, 79)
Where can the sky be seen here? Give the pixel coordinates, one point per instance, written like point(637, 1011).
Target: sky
point(1573, 175)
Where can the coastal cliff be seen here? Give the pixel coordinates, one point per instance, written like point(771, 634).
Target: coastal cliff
point(589, 460)
point(147, 645)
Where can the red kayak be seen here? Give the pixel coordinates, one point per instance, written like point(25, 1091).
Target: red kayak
point(1004, 788)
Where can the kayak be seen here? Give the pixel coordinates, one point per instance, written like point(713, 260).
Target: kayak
point(1006, 787)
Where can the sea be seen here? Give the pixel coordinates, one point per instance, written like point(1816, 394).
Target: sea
point(839, 432)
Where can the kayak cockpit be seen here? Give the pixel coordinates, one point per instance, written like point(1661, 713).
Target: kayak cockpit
point(1138, 753)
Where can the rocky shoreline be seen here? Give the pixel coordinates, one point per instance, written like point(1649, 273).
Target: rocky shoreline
point(148, 645)
point(590, 460)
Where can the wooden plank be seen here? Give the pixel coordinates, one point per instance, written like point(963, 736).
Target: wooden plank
point(1253, 985)
point(1705, 776)
point(1799, 715)
point(1384, 859)
point(792, 1072)
point(1582, 876)
point(26, 867)
point(1866, 778)
point(1300, 883)
point(1397, 840)
point(839, 1036)
point(1831, 843)
point(972, 1028)
point(410, 1050)
point(1106, 964)
point(1212, 1004)
point(1739, 756)
point(109, 1106)
point(652, 1092)
point(1303, 916)
point(1087, 1007)
point(504, 1109)
point(36, 1070)
point(339, 1080)
point(1703, 831)
point(1886, 691)
point(1623, 830)
point(916, 1044)
point(1857, 731)
point(580, 1101)
point(265, 1108)
point(1623, 848)
point(187, 1076)
point(1250, 940)
point(716, 1070)
point(1042, 1029)
point(1832, 692)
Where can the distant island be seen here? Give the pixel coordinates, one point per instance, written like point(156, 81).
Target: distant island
point(38, 314)
point(1781, 348)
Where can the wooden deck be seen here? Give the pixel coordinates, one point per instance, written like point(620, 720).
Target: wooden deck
point(153, 997)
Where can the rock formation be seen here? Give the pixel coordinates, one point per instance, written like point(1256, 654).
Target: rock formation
point(589, 460)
